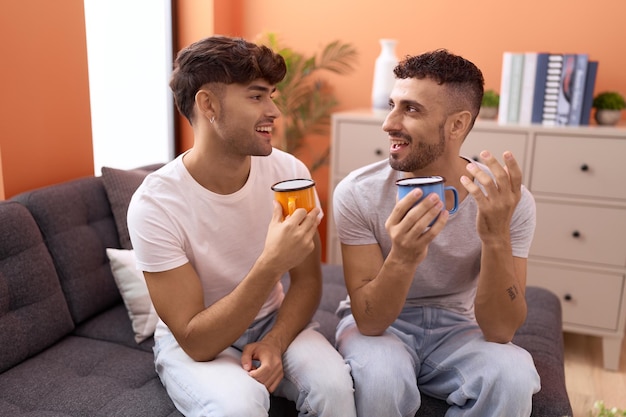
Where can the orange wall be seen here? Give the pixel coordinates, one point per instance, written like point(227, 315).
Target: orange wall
point(479, 30)
point(45, 122)
point(1, 178)
point(193, 20)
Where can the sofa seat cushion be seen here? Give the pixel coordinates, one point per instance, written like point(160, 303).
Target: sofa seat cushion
point(33, 312)
point(86, 377)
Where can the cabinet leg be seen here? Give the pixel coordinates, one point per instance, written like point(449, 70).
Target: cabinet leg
point(611, 349)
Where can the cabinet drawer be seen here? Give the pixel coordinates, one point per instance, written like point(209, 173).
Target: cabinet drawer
point(579, 166)
point(496, 143)
point(357, 144)
point(580, 233)
point(589, 298)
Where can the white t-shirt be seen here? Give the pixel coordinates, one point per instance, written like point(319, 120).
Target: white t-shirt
point(173, 220)
point(448, 275)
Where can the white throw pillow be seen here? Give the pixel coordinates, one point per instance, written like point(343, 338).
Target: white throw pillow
point(132, 286)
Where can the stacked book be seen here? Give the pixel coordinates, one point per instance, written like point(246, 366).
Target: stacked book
point(546, 88)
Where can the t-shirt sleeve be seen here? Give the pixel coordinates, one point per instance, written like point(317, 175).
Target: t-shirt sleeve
point(151, 231)
point(523, 224)
point(348, 212)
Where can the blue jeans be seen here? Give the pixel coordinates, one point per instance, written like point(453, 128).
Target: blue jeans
point(442, 354)
point(315, 377)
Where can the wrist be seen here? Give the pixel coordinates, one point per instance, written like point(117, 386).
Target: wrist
point(496, 241)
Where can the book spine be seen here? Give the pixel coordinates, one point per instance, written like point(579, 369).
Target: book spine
point(505, 81)
point(590, 83)
point(540, 87)
point(551, 92)
point(528, 87)
point(515, 89)
point(566, 89)
point(578, 89)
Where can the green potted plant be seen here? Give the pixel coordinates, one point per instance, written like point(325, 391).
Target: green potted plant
point(599, 410)
point(609, 106)
point(304, 98)
point(489, 105)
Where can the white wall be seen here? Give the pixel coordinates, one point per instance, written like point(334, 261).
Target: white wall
point(129, 53)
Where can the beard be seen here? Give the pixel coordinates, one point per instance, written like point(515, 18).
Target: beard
point(239, 140)
point(420, 157)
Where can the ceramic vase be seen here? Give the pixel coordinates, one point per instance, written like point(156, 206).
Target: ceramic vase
point(383, 74)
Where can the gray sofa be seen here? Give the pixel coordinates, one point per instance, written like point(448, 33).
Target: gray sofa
point(67, 347)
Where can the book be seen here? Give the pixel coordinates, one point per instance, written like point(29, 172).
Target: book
point(566, 87)
point(505, 81)
point(552, 89)
point(515, 87)
point(578, 89)
point(541, 75)
point(590, 83)
point(528, 87)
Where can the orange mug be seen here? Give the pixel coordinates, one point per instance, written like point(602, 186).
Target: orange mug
point(295, 194)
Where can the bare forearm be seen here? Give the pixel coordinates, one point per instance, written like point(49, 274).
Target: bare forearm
point(218, 326)
point(295, 314)
point(500, 304)
point(301, 300)
point(378, 302)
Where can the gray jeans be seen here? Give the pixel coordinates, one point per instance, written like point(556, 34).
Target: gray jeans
point(442, 354)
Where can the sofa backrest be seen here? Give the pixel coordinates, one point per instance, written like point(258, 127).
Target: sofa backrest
point(77, 225)
point(33, 310)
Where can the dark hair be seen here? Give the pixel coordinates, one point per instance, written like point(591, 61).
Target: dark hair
point(225, 60)
point(463, 79)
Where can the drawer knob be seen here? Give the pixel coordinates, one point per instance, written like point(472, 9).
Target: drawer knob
point(584, 167)
point(567, 297)
point(378, 152)
point(576, 234)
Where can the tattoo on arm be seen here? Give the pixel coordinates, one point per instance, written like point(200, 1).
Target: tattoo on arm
point(368, 308)
point(512, 292)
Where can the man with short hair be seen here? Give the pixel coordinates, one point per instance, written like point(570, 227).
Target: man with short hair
point(433, 309)
point(213, 246)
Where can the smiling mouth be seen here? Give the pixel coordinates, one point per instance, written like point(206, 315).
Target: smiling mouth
point(398, 143)
point(264, 129)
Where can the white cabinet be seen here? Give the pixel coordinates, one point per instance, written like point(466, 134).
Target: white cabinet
point(578, 179)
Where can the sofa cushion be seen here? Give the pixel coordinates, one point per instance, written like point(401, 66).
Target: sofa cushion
point(113, 325)
point(85, 377)
point(77, 225)
point(33, 312)
point(542, 336)
point(120, 186)
point(132, 286)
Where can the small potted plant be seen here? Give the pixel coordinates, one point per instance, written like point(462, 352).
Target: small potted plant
point(609, 106)
point(599, 410)
point(489, 105)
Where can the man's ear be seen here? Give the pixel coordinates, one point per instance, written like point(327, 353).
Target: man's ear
point(206, 104)
point(460, 124)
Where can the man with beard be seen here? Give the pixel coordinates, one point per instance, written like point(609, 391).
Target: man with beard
point(213, 245)
point(433, 309)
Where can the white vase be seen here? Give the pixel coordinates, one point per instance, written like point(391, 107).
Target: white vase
point(383, 74)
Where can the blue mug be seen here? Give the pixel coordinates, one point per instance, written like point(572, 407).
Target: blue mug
point(428, 185)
